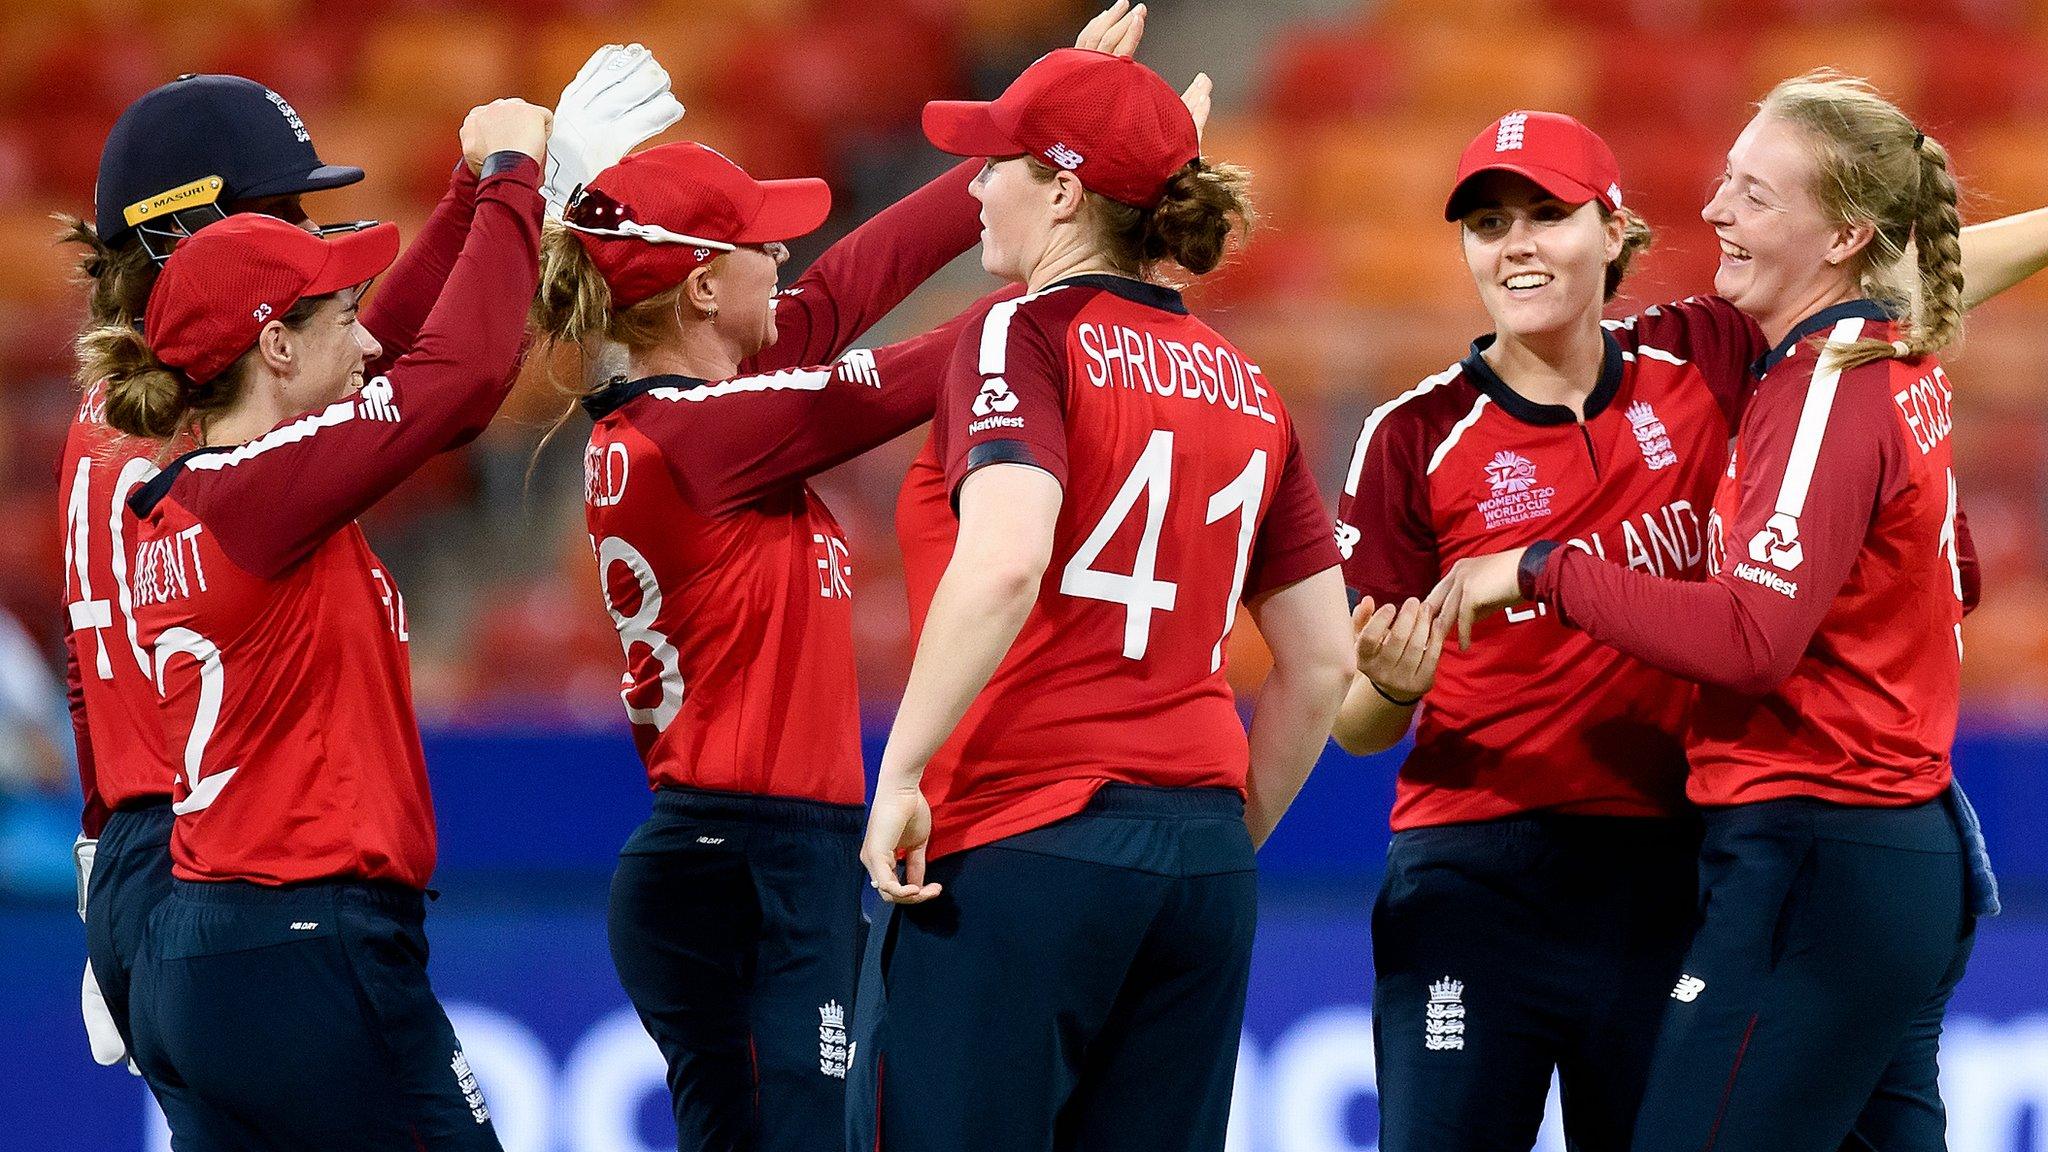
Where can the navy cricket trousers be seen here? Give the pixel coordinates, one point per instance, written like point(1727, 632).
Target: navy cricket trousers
point(300, 1017)
point(131, 875)
point(735, 926)
point(1079, 986)
point(1808, 1016)
point(1507, 949)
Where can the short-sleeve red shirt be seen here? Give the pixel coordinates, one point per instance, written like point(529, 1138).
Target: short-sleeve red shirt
point(1184, 492)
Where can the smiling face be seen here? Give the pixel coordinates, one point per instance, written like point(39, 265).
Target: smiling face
point(1540, 264)
point(328, 353)
point(745, 282)
point(1782, 259)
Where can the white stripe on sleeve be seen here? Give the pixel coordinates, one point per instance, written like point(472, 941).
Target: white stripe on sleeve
point(1813, 422)
point(1372, 422)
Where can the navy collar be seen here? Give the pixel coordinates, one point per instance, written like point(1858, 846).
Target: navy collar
point(1824, 319)
point(616, 391)
point(1528, 411)
point(1137, 291)
point(144, 500)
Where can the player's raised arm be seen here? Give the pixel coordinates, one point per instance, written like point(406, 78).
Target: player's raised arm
point(321, 443)
point(404, 296)
point(856, 281)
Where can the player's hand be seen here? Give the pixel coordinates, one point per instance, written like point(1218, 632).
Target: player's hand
point(1398, 648)
point(504, 126)
point(901, 820)
point(1475, 587)
point(1197, 99)
point(619, 99)
point(1115, 30)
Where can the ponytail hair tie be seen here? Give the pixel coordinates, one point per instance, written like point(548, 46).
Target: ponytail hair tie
point(1919, 138)
point(1901, 349)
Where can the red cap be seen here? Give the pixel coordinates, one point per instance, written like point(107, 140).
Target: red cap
point(1107, 119)
point(1564, 157)
point(650, 219)
point(225, 282)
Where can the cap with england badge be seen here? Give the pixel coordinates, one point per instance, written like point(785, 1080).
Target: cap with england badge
point(1560, 155)
point(1109, 120)
point(653, 217)
point(224, 284)
point(198, 144)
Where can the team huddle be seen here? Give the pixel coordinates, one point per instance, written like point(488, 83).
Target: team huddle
point(1678, 598)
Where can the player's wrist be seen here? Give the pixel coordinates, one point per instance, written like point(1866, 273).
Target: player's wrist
point(1397, 700)
point(1529, 569)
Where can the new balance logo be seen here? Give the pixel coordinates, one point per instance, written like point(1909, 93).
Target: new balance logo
point(1443, 1025)
point(304, 925)
point(1347, 539)
point(995, 397)
point(1063, 156)
point(834, 1052)
point(710, 839)
point(1509, 137)
point(376, 401)
point(1689, 988)
point(858, 367)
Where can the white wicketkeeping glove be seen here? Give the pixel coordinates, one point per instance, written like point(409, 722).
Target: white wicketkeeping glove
point(82, 851)
point(620, 98)
point(107, 1047)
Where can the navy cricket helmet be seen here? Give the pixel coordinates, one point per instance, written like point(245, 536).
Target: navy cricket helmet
point(183, 152)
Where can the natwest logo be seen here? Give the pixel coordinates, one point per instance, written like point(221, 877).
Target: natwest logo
point(995, 396)
point(1778, 543)
point(1757, 574)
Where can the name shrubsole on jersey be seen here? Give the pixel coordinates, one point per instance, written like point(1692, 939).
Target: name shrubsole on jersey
point(1129, 358)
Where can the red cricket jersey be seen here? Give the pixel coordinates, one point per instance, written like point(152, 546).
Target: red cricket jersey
point(278, 639)
point(1538, 716)
point(1185, 491)
point(121, 759)
point(727, 579)
point(1828, 639)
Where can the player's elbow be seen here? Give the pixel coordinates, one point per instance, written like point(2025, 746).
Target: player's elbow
point(1760, 675)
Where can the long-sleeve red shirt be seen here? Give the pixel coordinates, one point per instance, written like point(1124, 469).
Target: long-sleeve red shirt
point(727, 579)
point(279, 639)
point(113, 697)
point(1827, 639)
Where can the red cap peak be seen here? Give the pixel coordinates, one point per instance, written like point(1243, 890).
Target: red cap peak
point(225, 282)
point(1109, 120)
point(1562, 156)
point(650, 219)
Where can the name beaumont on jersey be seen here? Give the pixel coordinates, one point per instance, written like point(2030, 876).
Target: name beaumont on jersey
point(166, 569)
point(1130, 358)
